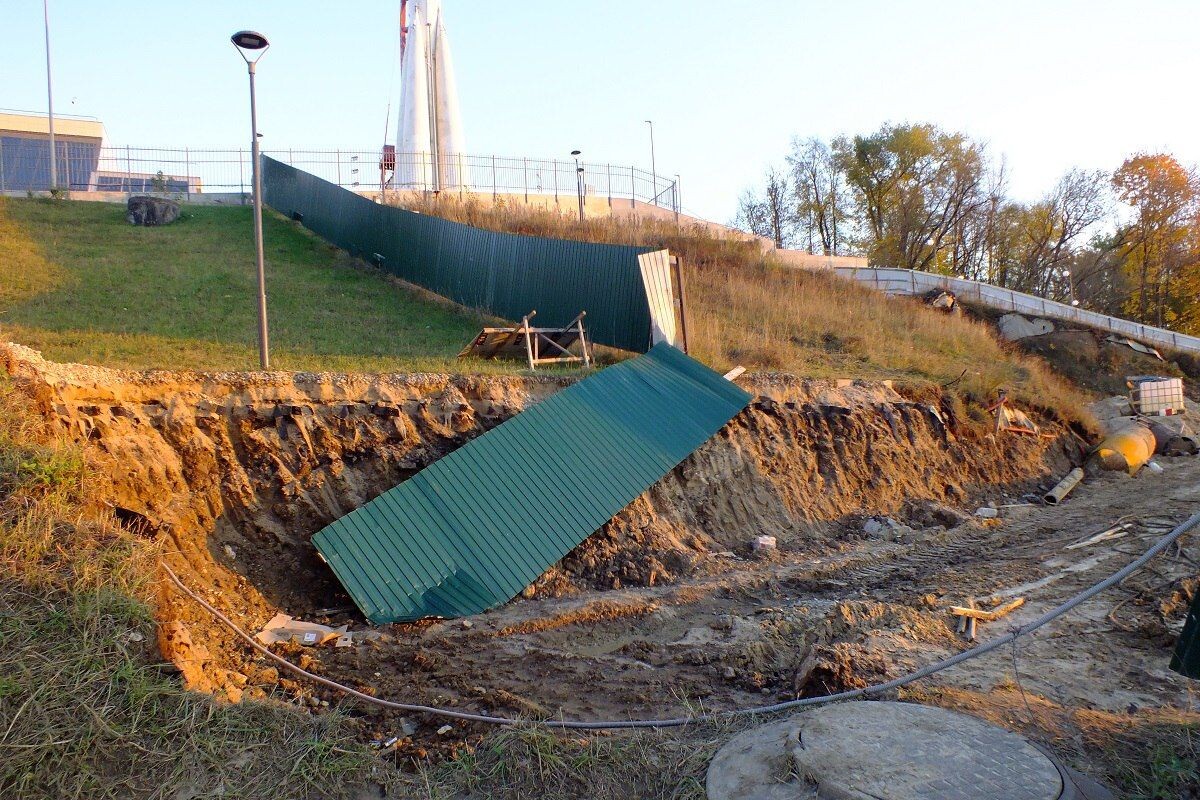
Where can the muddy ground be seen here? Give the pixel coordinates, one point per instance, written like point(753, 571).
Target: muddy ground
point(665, 610)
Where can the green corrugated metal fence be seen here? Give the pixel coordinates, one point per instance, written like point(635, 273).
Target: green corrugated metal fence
point(1187, 651)
point(505, 274)
point(475, 528)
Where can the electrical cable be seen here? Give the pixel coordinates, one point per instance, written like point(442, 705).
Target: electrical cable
point(674, 722)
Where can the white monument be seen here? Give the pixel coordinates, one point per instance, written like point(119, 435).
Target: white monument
point(429, 138)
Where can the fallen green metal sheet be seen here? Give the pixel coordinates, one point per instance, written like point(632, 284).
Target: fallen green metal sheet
point(1187, 652)
point(475, 528)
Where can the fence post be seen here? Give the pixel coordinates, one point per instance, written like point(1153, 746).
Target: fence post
point(338, 156)
point(128, 171)
point(187, 172)
point(555, 163)
point(493, 179)
point(525, 179)
point(608, 178)
point(1, 165)
point(241, 177)
point(632, 188)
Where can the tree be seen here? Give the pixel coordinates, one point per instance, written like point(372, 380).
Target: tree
point(1157, 248)
point(913, 185)
point(768, 214)
point(820, 196)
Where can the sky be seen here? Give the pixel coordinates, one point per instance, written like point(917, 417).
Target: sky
point(1048, 85)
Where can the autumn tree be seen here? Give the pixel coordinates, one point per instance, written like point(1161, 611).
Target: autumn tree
point(913, 185)
point(1157, 247)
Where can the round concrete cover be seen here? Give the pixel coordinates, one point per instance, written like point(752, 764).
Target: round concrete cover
point(881, 751)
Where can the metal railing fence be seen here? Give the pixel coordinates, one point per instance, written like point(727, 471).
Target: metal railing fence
point(24, 166)
point(912, 282)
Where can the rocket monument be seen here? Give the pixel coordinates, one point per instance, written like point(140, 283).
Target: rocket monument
point(429, 137)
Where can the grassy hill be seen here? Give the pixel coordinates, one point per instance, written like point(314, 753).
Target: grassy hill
point(80, 284)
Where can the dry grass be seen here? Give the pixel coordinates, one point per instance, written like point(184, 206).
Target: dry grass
point(85, 709)
point(745, 308)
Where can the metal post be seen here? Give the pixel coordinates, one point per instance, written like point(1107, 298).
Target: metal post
point(608, 177)
point(555, 163)
point(242, 175)
point(525, 164)
point(264, 357)
point(339, 166)
point(653, 162)
point(493, 178)
point(632, 188)
point(128, 171)
point(675, 198)
point(187, 171)
point(50, 101)
point(579, 187)
point(1, 166)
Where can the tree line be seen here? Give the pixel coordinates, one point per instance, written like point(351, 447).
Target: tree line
point(916, 196)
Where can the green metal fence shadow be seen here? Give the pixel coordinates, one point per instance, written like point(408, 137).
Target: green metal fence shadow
point(504, 274)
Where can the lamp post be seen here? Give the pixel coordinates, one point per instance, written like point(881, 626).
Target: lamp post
point(50, 101)
point(248, 42)
point(578, 181)
point(653, 162)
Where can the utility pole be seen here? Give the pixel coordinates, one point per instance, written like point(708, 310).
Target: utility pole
point(50, 100)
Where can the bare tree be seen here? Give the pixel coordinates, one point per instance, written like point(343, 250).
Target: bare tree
point(820, 195)
point(768, 214)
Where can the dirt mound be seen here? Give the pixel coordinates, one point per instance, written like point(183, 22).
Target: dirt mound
point(236, 471)
point(1090, 361)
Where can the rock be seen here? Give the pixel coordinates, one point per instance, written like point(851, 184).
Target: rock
point(442, 731)
point(873, 527)
point(408, 727)
point(229, 551)
point(730, 673)
point(764, 544)
point(1015, 326)
point(987, 512)
point(144, 210)
point(467, 624)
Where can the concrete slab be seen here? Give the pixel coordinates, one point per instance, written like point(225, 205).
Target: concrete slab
point(882, 751)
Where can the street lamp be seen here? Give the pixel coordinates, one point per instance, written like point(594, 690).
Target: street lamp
point(248, 42)
point(50, 102)
point(578, 181)
point(653, 163)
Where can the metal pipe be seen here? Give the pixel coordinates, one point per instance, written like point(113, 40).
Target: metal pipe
point(1128, 449)
point(1064, 487)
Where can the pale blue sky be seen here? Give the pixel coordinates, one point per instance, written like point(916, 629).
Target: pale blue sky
point(1048, 84)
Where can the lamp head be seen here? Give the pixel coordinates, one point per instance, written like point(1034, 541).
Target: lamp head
point(249, 40)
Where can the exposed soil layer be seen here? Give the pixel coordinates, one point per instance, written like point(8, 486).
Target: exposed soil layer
point(235, 472)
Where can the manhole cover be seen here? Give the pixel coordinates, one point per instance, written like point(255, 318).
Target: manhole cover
point(883, 751)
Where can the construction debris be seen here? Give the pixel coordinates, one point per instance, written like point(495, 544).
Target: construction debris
point(994, 614)
point(1155, 395)
point(1064, 487)
point(764, 544)
point(283, 628)
point(1128, 449)
point(1134, 345)
point(524, 342)
point(1115, 532)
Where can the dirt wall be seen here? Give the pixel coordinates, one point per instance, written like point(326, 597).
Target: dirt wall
point(236, 471)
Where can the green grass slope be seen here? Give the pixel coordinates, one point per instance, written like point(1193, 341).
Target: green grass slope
point(80, 284)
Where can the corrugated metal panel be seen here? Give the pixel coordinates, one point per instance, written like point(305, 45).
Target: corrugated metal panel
point(505, 274)
point(1187, 651)
point(475, 528)
point(656, 276)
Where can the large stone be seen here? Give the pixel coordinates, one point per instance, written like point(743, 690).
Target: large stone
point(1015, 326)
point(146, 210)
